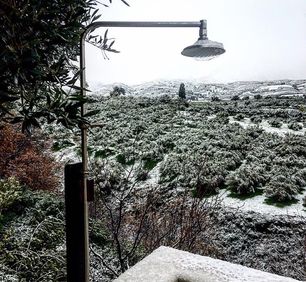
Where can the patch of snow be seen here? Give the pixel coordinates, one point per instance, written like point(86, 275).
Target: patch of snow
point(244, 123)
point(154, 175)
point(282, 131)
point(257, 204)
point(275, 87)
point(211, 117)
point(67, 155)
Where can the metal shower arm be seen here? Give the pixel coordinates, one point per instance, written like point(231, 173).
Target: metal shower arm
point(201, 24)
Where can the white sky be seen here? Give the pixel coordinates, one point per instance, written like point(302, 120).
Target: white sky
point(264, 40)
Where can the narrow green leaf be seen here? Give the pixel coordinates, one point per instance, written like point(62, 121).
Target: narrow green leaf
point(94, 13)
point(112, 50)
point(110, 45)
point(126, 3)
point(105, 34)
point(96, 17)
point(92, 113)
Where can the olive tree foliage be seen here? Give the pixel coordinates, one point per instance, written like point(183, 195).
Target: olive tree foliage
point(39, 45)
point(247, 179)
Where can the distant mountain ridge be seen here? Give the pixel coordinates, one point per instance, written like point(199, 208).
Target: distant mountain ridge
point(201, 90)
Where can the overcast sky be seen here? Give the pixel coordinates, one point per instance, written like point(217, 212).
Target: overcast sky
point(264, 40)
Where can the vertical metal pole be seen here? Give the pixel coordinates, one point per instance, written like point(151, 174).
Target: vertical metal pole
point(84, 158)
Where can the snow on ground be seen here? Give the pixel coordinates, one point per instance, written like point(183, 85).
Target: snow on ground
point(67, 155)
point(274, 87)
point(154, 175)
point(257, 204)
point(246, 122)
point(211, 117)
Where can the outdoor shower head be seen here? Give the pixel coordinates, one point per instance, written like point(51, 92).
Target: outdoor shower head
point(204, 49)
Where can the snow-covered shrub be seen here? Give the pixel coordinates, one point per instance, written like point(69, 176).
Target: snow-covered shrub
point(275, 123)
point(222, 117)
point(281, 188)
point(207, 185)
point(167, 143)
point(164, 99)
point(256, 119)
point(246, 179)
point(235, 98)
point(197, 173)
point(110, 176)
point(300, 179)
point(171, 168)
point(239, 117)
point(32, 244)
point(230, 160)
point(295, 126)
point(215, 99)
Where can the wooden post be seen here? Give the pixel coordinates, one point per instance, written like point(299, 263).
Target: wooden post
point(75, 237)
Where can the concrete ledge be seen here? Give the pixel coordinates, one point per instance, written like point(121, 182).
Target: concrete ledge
point(170, 265)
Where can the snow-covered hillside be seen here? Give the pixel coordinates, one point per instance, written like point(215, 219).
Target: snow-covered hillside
point(202, 90)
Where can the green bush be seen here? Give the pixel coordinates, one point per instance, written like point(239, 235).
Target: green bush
point(32, 245)
point(10, 192)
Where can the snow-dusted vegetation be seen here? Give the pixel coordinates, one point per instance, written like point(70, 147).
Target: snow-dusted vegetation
point(205, 147)
point(236, 150)
point(222, 176)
